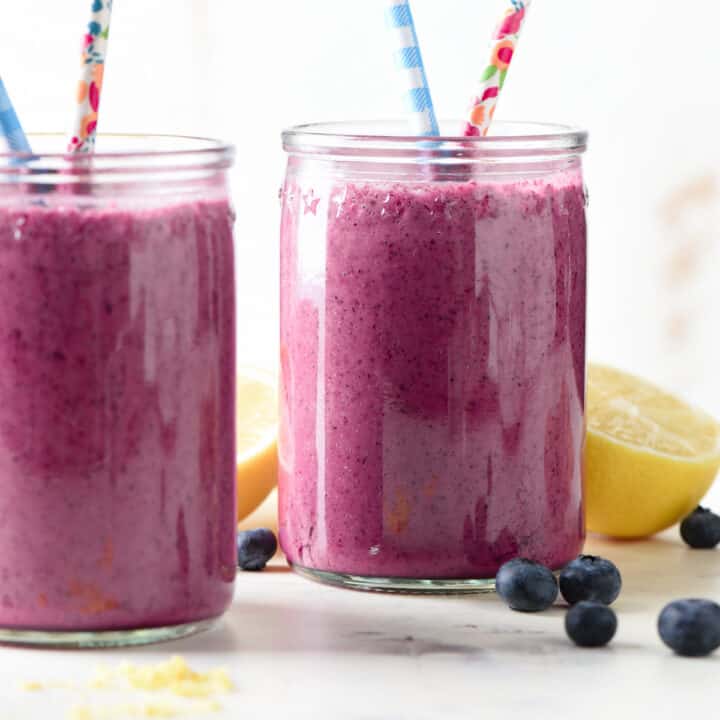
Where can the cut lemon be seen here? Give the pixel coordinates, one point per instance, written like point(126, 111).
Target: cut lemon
point(649, 457)
point(256, 427)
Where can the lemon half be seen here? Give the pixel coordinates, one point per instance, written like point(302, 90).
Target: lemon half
point(650, 457)
point(256, 428)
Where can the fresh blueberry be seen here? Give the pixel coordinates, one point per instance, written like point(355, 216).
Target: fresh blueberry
point(526, 585)
point(255, 548)
point(590, 624)
point(591, 578)
point(690, 627)
point(701, 529)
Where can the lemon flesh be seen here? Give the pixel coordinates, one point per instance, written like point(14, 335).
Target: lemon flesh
point(649, 457)
point(256, 430)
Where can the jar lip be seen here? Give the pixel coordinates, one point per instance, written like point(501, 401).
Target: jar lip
point(510, 138)
point(159, 146)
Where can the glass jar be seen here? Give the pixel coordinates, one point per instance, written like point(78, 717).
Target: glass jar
point(117, 348)
point(432, 353)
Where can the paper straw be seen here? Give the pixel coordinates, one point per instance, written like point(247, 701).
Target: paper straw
point(409, 61)
point(90, 85)
point(504, 42)
point(10, 125)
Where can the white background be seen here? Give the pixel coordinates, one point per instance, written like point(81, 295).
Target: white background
point(642, 77)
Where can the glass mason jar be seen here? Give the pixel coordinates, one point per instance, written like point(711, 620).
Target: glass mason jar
point(432, 353)
point(117, 346)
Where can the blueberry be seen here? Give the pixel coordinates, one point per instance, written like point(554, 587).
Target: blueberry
point(526, 585)
point(690, 627)
point(590, 624)
point(255, 548)
point(701, 529)
point(591, 578)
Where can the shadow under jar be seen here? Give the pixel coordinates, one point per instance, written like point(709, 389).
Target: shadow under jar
point(117, 349)
point(432, 354)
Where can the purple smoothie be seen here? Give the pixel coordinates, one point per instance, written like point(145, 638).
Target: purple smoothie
point(117, 456)
point(433, 367)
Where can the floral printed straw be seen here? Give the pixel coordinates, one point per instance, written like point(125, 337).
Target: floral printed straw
point(504, 42)
point(90, 86)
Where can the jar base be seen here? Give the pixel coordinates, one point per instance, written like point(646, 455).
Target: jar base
point(414, 586)
point(102, 638)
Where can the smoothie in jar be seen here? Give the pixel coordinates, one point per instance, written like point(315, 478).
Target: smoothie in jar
point(117, 346)
point(433, 370)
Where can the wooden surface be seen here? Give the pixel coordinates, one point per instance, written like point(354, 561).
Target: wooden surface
point(296, 649)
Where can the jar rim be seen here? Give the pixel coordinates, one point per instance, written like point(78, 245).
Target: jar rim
point(193, 146)
point(123, 161)
point(390, 138)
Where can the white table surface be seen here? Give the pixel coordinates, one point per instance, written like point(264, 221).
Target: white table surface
point(296, 649)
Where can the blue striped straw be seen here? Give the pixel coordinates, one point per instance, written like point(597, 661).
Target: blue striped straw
point(10, 125)
point(409, 61)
